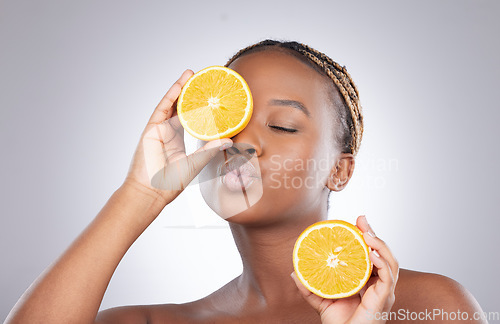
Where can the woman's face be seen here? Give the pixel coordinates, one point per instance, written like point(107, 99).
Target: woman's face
point(287, 147)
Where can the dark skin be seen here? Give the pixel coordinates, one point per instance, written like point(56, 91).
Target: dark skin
point(269, 228)
point(264, 292)
point(264, 233)
point(415, 292)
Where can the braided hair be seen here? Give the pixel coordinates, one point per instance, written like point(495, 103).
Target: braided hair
point(350, 113)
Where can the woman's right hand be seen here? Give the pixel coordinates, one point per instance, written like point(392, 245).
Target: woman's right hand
point(160, 166)
point(72, 288)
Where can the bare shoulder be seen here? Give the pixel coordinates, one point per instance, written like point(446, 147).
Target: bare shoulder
point(424, 293)
point(123, 314)
point(204, 310)
point(144, 314)
point(192, 312)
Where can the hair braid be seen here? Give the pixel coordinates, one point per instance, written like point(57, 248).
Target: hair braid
point(350, 115)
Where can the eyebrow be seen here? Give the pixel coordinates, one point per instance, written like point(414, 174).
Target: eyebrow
point(292, 103)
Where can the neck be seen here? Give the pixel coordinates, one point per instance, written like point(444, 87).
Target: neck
point(266, 253)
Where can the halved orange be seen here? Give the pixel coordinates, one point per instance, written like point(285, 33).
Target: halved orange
point(330, 258)
point(215, 102)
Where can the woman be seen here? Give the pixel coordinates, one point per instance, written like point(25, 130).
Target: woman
point(306, 108)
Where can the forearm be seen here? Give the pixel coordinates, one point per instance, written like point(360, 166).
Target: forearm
point(72, 288)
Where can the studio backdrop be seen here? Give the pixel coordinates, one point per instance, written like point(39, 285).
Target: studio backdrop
point(80, 79)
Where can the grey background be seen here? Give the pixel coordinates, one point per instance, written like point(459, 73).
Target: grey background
point(79, 81)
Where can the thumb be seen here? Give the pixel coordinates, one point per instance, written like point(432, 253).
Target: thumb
point(317, 302)
point(200, 158)
point(176, 175)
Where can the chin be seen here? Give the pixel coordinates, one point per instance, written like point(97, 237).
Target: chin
point(257, 210)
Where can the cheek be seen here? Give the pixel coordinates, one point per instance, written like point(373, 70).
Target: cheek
point(296, 172)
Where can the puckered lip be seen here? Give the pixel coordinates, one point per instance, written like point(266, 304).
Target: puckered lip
point(240, 163)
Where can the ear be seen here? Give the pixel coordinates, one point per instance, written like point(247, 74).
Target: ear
point(341, 172)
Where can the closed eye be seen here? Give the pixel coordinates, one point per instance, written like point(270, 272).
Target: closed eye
point(283, 129)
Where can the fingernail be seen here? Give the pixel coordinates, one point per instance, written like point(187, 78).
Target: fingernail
point(225, 146)
point(376, 253)
point(366, 220)
point(370, 231)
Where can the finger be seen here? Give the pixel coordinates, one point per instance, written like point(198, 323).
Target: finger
point(320, 304)
point(165, 108)
point(383, 289)
point(378, 293)
point(200, 158)
point(384, 273)
point(180, 170)
point(381, 248)
point(378, 296)
point(370, 282)
point(363, 225)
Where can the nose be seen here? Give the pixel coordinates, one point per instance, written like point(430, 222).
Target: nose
point(242, 149)
point(247, 142)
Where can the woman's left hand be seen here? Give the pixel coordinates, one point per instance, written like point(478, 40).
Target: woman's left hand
point(375, 298)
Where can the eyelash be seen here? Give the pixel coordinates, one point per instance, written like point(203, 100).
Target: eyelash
point(283, 129)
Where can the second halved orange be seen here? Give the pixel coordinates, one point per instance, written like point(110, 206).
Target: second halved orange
point(331, 259)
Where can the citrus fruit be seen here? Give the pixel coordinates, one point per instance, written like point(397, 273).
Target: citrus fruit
point(215, 102)
point(331, 260)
